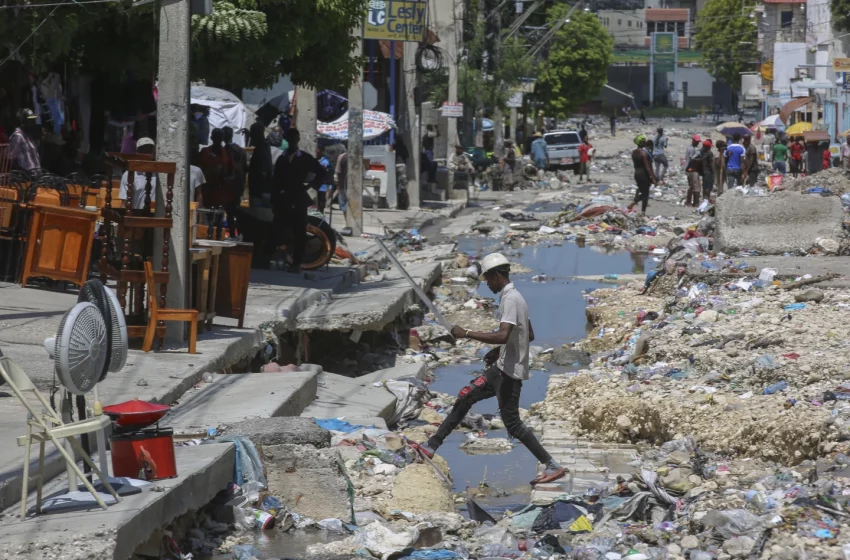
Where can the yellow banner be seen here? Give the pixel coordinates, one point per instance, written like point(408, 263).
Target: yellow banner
point(396, 20)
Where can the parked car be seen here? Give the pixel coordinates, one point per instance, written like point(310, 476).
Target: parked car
point(562, 146)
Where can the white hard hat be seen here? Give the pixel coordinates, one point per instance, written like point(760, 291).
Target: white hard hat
point(491, 261)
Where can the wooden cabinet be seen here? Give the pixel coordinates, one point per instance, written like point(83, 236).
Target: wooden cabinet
point(234, 273)
point(59, 245)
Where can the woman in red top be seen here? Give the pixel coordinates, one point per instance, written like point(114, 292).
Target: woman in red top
point(584, 158)
point(796, 150)
point(827, 158)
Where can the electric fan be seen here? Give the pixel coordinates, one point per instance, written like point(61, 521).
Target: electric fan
point(106, 301)
point(116, 348)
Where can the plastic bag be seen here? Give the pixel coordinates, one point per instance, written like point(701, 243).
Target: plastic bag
point(332, 525)
point(244, 552)
point(734, 522)
point(380, 540)
point(497, 540)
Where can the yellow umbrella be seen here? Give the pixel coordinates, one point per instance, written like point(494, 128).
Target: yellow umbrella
point(798, 128)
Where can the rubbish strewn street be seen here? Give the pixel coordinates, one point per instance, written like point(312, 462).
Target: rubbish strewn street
point(424, 280)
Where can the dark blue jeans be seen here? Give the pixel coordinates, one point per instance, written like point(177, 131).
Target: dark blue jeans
point(492, 383)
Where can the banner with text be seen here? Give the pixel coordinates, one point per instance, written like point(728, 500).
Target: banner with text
point(396, 20)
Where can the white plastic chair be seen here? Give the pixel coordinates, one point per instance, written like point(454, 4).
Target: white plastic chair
point(48, 426)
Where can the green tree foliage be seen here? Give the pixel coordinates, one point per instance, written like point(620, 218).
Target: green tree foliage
point(310, 40)
point(576, 66)
point(244, 43)
point(840, 14)
point(229, 23)
point(727, 38)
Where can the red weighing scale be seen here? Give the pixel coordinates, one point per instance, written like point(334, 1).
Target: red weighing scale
point(138, 450)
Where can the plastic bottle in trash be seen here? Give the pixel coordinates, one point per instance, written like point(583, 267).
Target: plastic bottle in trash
point(775, 388)
point(610, 277)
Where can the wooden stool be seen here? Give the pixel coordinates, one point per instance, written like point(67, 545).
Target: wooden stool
point(157, 315)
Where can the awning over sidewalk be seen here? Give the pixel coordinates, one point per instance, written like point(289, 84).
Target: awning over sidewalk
point(816, 136)
point(792, 106)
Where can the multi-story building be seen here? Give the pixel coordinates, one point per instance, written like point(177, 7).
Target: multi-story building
point(632, 33)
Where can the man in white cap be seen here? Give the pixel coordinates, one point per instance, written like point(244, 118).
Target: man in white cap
point(147, 146)
point(507, 369)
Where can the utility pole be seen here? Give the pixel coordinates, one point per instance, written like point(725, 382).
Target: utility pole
point(354, 212)
point(451, 126)
point(173, 144)
point(411, 138)
point(498, 115)
point(305, 118)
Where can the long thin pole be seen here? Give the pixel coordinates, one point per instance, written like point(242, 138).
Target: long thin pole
point(392, 89)
point(415, 286)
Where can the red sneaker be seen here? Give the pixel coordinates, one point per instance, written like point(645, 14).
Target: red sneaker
point(549, 476)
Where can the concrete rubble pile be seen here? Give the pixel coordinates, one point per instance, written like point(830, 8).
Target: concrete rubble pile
point(834, 180)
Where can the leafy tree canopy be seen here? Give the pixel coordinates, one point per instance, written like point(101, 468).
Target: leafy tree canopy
point(727, 39)
point(840, 14)
point(576, 66)
point(244, 43)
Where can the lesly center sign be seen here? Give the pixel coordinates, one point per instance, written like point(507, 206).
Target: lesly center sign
point(396, 20)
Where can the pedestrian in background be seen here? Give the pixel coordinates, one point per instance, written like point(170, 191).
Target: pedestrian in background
point(751, 162)
point(584, 158)
point(644, 176)
point(692, 169)
point(735, 154)
point(827, 157)
point(659, 155)
point(796, 157)
point(707, 168)
point(260, 168)
point(780, 157)
point(767, 143)
point(540, 152)
point(720, 167)
point(613, 120)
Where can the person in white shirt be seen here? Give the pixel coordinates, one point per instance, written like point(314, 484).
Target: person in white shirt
point(507, 368)
point(147, 146)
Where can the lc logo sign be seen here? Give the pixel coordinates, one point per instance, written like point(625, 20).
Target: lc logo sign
point(396, 20)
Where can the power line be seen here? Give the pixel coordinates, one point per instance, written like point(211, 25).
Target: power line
point(33, 6)
point(16, 49)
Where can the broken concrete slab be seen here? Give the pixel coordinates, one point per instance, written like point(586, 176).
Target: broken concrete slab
point(343, 397)
point(203, 471)
point(275, 431)
point(309, 481)
point(779, 223)
point(369, 306)
point(235, 397)
point(418, 371)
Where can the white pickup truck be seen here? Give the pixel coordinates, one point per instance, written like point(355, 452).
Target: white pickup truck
point(562, 146)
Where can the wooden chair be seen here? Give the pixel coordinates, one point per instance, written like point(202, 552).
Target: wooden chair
point(158, 315)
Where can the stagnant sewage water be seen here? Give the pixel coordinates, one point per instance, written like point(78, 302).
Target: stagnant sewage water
point(557, 311)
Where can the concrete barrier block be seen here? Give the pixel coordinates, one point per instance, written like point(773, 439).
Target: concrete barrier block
point(776, 224)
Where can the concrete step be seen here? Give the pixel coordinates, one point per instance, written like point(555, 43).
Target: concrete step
point(203, 471)
point(358, 400)
point(369, 306)
point(344, 397)
point(236, 397)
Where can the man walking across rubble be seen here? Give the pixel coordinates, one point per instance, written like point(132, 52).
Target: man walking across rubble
point(507, 368)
